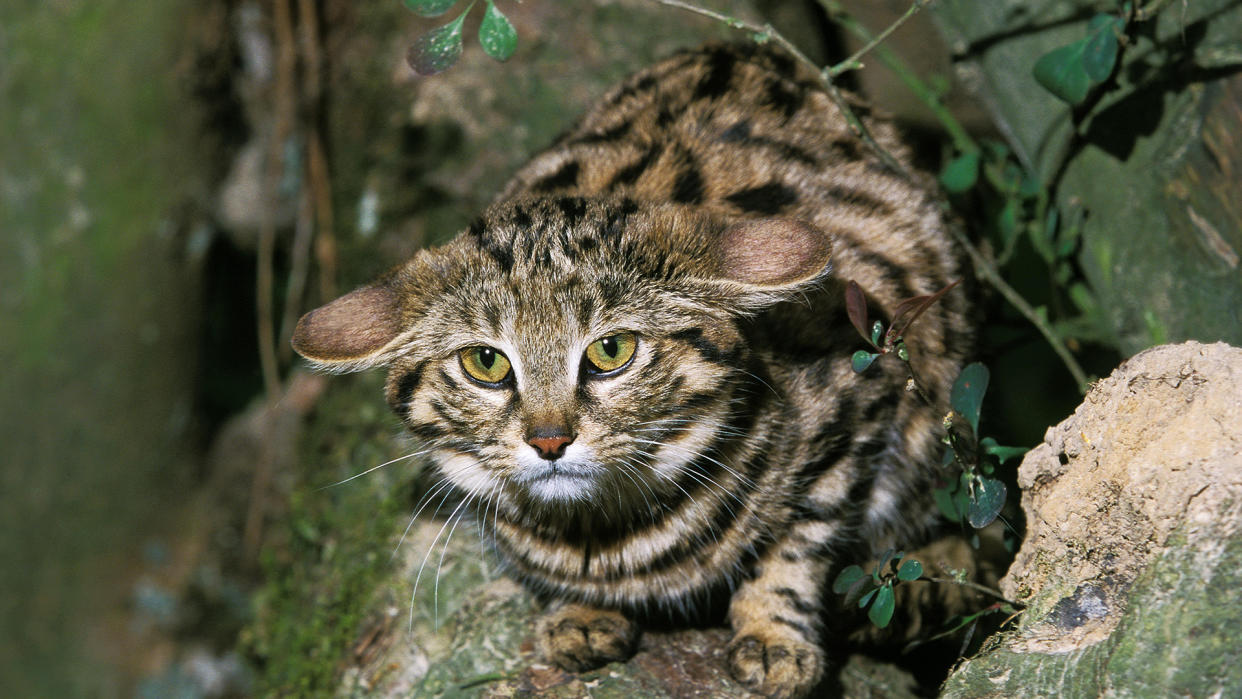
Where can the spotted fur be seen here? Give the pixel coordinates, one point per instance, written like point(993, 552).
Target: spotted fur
point(713, 205)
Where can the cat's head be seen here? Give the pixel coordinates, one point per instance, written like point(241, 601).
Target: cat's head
point(570, 351)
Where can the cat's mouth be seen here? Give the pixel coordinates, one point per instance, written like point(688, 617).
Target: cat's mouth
point(559, 480)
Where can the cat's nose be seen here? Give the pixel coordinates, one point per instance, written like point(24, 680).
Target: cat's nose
point(550, 445)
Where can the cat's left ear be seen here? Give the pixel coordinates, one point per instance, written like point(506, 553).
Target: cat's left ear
point(358, 331)
point(772, 258)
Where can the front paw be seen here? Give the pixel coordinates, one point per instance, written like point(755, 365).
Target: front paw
point(578, 638)
point(774, 663)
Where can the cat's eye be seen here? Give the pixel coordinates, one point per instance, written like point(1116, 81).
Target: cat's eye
point(612, 353)
point(485, 365)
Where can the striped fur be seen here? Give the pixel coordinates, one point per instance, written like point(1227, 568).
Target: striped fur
point(737, 457)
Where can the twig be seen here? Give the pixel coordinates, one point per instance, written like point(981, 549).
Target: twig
point(964, 143)
point(995, 594)
point(1151, 9)
point(985, 270)
point(961, 139)
point(825, 80)
point(855, 61)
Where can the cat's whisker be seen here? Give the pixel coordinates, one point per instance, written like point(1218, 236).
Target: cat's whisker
point(419, 576)
point(375, 468)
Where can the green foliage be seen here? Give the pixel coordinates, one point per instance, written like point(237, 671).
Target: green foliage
point(1070, 71)
point(496, 34)
point(974, 496)
point(874, 592)
point(439, 49)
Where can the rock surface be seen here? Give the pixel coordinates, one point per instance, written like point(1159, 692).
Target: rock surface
point(1132, 565)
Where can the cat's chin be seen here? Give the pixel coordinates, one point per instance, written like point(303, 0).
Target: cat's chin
point(565, 480)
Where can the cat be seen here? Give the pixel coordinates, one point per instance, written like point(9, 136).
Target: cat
point(637, 361)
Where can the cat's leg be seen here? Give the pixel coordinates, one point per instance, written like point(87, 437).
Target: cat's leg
point(577, 637)
point(776, 616)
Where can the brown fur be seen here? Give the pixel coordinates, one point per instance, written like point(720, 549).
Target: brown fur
point(714, 205)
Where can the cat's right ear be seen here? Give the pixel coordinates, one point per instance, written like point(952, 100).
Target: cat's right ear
point(360, 330)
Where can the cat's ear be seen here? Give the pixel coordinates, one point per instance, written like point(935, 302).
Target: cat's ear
point(358, 331)
point(772, 257)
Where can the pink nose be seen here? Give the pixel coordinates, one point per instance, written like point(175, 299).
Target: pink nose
point(550, 447)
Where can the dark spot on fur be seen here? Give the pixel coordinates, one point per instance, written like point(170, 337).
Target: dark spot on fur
point(719, 75)
point(688, 188)
point(630, 173)
point(564, 178)
point(767, 199)
point(779, 97)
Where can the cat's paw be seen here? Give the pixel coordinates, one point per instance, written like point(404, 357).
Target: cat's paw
point(775, 664)
point(578, 638)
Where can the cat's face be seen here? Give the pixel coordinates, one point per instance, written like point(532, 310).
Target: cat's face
point(567, 351)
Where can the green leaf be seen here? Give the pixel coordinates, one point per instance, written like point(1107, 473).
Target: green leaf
point(846, 579)
point(960, 173)
point(882, 611)
point(496, 34)
point(945, 502)
point(862, 360)
point(438, 49)
point(910, 570)
point(986, 504)
point(866, 599)
point(877, 330)
point(430, 8)
point(1061, 72)
point(1007, 222)
point(967, 395)
point(1002, 454)
point(1100, 53)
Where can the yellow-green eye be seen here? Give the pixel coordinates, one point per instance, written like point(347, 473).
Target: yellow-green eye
point(484, 364)
point(611, 353)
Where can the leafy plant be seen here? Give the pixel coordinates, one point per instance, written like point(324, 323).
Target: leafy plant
point(874, 592)
point(1070, 71)
point(439, 49)
point(974, 496)
point(893, 340)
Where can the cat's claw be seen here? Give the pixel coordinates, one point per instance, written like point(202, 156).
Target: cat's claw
point(775, 665)
point(578, 638)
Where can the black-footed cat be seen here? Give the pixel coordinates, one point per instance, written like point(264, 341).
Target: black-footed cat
point(638, 358)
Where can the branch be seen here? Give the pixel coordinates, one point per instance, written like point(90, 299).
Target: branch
point(855, 61)
point(825, 80)
point(985, 270)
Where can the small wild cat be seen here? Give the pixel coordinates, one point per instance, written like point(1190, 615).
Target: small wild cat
point(638, 359)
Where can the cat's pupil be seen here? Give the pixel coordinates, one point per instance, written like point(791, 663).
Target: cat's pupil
point(487, 357)
point(609, 345)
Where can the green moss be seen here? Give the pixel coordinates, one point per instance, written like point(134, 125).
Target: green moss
point(337, 545)
point(1180, 635)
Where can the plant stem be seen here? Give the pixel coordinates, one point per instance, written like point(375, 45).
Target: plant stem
point(825, 80)
point(985, 269)
point(855, 61)
point(961, 139)
point(1149, 10)
point(996, 594)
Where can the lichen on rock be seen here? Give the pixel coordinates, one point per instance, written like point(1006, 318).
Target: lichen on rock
point(1130, 568)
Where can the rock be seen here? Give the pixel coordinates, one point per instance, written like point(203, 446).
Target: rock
point(1132, 565)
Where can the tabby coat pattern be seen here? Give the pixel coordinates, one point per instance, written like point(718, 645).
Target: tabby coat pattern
point(635, 365)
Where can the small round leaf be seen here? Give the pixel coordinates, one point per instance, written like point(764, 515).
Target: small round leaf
point(882, 611)
point(986, 503)
point(910, 570)
point(1061, 72)
point(496, 34)
point(967, 394)
point(846, 578)
point(438, 49)
point(862, 360)
point(960, 173)
point(866, 599)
